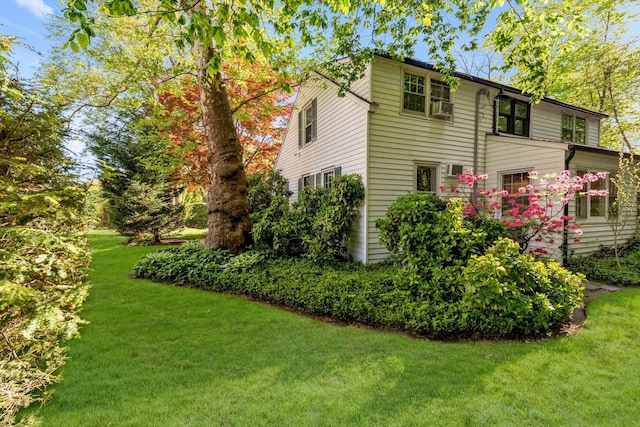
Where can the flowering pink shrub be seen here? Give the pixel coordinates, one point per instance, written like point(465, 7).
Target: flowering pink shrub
point(533, 212)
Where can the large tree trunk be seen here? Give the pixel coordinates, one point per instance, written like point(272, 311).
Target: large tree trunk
point(229, 223)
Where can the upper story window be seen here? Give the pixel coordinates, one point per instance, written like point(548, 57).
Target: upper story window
point(308, 123)
point(513, 116)
point(422, 95)
point(426, 178)
point(414, 94)
point(574, 129)
point(440, 91)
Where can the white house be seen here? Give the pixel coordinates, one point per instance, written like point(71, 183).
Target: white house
point(402, 129)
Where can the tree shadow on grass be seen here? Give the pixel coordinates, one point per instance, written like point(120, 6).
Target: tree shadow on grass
point(159, 355)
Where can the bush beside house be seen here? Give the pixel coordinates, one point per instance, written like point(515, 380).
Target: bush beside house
point(449, 277)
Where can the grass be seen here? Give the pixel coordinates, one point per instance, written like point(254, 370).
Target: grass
point(155, 355)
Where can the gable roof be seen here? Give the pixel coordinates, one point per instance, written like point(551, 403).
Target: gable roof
point(496, 85)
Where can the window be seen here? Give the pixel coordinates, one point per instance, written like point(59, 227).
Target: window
point(573, 129)
point(513, 116)
point(414, 96)
point(440, 91)
point(327, 178)
point(306, 181)
point(426, 178)
point(308, 123)
point(594, 206)
point(513, 183)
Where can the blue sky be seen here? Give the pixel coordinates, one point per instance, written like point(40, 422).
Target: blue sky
point(26, 20)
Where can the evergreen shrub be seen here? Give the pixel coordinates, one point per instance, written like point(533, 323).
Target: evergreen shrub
point(317, 225)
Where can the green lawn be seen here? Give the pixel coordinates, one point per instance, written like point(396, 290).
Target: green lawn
point(157, 355)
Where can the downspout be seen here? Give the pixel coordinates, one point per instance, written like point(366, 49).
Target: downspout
point(476, 144)
point(565, 221)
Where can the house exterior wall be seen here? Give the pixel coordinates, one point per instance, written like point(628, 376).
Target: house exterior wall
point(546, 123)
point(597, 231)
point(398, 140)
point(367, 132)
point(342, 126)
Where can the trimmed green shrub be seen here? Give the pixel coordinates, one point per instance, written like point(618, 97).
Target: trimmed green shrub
point(507, 293)
point(433, 233)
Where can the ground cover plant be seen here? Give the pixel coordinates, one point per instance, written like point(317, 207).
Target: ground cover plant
point(161, 355)
point(602, 266)
point(382, 295)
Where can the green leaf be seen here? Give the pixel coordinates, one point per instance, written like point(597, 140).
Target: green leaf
point(82, 39)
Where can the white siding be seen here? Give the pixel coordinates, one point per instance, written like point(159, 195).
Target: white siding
point(341, 141)
point(397, 140)
point(593, 132)
point(362, 87)
point(509, 154)
point(546, 122)
point(597, 231)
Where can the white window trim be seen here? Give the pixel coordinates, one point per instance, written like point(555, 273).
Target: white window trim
point(573, 130)
point(436, 184)
point(303, 124)
point(330, 170)
point(589, 217)
point(424, 95)
point(501, 176)
point(427, 95)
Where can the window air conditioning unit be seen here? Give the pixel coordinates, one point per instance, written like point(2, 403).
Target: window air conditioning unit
point(442, 109)
point(454, 170)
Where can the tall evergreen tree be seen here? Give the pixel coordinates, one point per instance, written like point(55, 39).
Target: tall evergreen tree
point(135, 174)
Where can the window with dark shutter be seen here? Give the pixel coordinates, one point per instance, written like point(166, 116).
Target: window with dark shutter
point(308, 123)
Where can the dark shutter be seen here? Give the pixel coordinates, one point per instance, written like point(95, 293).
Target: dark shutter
point(311, 183)
point(314, 114)
point(319, 179)
point(286, 187)
point(300, 130)
point(337, 171)
point(300, 181)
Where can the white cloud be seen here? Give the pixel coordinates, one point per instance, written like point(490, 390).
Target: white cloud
point(36, 7)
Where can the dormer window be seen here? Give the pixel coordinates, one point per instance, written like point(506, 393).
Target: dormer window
point(513, 116)
point(574, 129)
